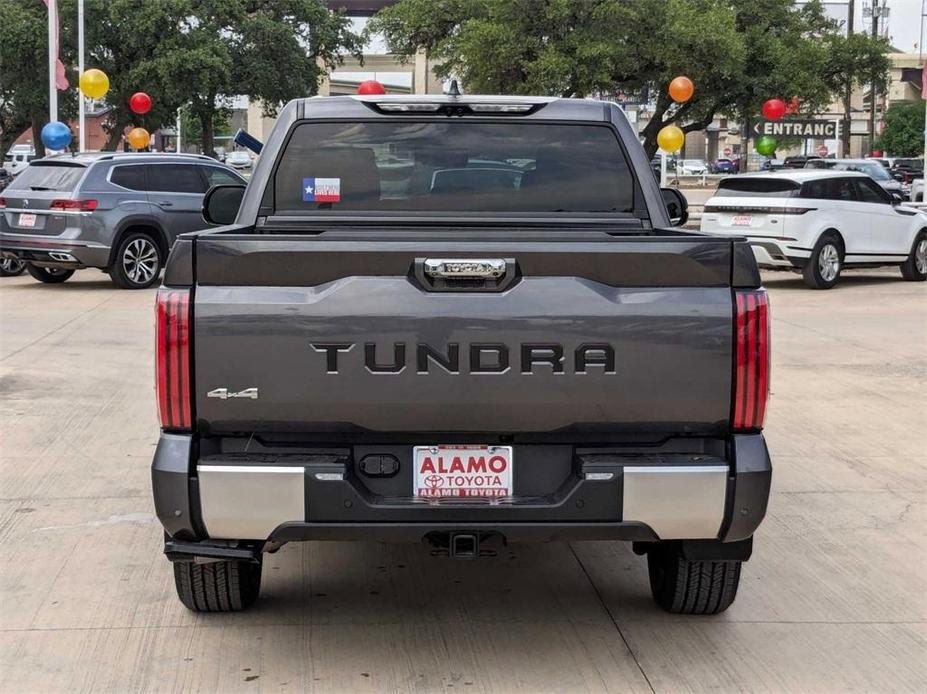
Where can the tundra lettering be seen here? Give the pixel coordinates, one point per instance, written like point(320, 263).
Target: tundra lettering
point(483, 358)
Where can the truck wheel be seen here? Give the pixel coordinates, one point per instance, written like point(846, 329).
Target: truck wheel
point(10, 267)
point(220, 586)
point(914, 269)
point(137, 263)
point(48, 275)
point(823, 267)
point(682, 586)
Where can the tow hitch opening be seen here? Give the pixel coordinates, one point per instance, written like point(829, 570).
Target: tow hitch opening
point(462, 545)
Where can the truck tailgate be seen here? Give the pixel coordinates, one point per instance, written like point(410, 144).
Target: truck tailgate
point(634, 334)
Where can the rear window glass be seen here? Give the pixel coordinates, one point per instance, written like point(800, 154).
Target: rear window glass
point(39, 176)
point(453, 166)
point(756, 188)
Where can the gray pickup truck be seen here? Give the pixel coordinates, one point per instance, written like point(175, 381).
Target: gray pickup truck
point(463, 321)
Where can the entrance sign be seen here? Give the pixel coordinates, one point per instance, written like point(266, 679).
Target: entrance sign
point(802, 129)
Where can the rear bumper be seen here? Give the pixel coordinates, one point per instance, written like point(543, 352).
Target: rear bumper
point(606, 496)
point(54, 252)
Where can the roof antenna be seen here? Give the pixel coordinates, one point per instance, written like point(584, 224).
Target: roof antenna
point(454, 90)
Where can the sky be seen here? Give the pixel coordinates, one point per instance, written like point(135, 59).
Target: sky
point(904, 23)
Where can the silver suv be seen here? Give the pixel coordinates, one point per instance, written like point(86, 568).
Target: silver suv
point(116, 212)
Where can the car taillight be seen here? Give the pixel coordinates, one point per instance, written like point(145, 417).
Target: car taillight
point(2, 203)
point(79, 205)
point(173, 358)
point(751, 369)
point(757, 209)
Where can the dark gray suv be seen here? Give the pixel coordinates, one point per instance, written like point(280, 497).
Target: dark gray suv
point(116, 212)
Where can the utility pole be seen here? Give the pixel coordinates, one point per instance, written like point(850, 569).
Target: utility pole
point(848, 96)
point(877, 11)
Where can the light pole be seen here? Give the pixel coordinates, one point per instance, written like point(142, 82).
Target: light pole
point(52, 60)
point(81, 107)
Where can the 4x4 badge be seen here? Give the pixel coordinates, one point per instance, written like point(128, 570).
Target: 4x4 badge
point(224, 394)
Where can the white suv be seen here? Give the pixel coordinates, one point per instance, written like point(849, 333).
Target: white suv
point(819, 221)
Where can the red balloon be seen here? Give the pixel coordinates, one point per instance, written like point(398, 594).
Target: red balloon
point(371, 87)
point(774, 109)
point(140, 103)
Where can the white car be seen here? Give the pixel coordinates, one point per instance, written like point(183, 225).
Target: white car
point(819, 221)
point(692, 167)
point(917, 190)
point(238, 159)
point(17, 158)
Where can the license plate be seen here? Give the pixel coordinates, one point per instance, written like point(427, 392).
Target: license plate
point(742, 220)
point(26, 220)
point(463, 471)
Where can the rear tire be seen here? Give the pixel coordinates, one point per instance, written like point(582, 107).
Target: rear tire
point(48, 275)
point(10, 267)
point(221, 586)
point(914, 269)
point(822, 271)
point(137, 263)
point(683, 586)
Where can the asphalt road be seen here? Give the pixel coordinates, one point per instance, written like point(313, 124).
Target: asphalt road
point(833, 600)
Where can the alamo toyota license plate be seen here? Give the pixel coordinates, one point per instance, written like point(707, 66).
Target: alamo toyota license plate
point(463, 471)
point(742, 220)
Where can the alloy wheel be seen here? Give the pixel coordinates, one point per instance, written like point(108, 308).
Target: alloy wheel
point(920, 256)
point(140, 260)
point(829, 262)
point(12, 265)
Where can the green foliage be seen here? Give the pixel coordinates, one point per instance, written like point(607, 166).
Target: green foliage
point(738, 52)
point(904, 129)
point(196, 53)
point(24, 70)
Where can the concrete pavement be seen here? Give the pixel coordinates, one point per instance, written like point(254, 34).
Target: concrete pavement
point(833, 600)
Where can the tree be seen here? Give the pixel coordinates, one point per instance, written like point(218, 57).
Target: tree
point(852, 62)
point(24, 70)
point(271, 50)
point(904, 129)
point(738, 52)
point(127, 40)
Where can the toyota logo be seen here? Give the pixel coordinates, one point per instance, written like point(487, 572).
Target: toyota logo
point(434, 481)
point(25, 203)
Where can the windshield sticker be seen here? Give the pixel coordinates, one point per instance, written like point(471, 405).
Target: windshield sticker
point(321, 190)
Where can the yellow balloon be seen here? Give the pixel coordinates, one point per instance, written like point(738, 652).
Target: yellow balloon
point(670, 138)
point(94, 83)
point(138, 138)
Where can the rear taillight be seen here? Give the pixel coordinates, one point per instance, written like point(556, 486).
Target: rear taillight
point(751, 369)
point(758, 209)
point(2, 203)
point(78, 205)
point(173, 358)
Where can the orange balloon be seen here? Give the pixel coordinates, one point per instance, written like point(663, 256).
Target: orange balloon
point(138, 138)
point(681, 89)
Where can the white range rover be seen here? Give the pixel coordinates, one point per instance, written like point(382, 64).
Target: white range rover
point(819, 222)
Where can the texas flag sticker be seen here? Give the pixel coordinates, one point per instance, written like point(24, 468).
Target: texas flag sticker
point(321, 190)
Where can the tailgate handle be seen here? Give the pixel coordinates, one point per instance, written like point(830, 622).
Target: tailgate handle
point(465, 274)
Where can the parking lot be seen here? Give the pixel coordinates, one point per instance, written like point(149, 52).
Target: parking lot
point(834, 600)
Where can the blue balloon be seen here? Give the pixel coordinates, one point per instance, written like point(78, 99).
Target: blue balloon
point(56, 135)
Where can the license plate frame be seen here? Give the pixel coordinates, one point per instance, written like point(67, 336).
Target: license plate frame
point(27, 219)
point(462, 471)
point(742, 220)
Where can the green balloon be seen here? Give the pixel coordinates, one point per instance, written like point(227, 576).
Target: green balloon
point(766, 145)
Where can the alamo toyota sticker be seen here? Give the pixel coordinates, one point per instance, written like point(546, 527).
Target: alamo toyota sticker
point(463, 471)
